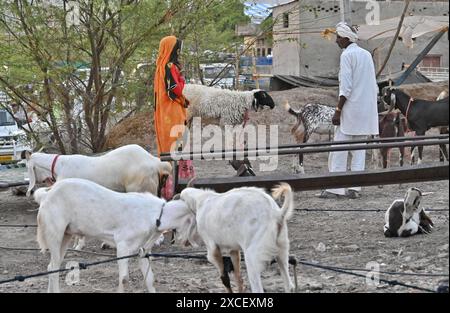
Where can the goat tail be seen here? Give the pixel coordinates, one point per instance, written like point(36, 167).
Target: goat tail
point(40, 194)
point(285, 190)
point(40, 233)
point(290, 110)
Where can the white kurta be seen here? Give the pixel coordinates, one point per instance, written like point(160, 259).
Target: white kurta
point(357, 82)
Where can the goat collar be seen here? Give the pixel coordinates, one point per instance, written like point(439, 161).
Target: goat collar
point(158, 221)
point(411, 100)
point(53, 167)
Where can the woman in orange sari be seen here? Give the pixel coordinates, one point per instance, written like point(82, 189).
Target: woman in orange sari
point(170, 106)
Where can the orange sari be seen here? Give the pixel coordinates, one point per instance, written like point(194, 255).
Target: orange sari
point(168, 112)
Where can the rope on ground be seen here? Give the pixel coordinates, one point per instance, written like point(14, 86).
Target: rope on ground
point(68, 250)
point(361, 210)
point(17, 225)
point(386, 281)
point(393, 273)
point(292, 261)
point(84, 265)
point(300, 210)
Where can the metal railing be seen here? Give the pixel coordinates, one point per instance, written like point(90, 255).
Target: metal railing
point(436, 74)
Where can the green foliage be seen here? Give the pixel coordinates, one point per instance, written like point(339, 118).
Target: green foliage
point(52, 64)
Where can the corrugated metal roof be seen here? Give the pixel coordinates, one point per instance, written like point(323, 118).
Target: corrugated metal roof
point(258, 12)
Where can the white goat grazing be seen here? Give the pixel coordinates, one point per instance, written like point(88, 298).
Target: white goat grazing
point(125, 169)
point(247, 219)
point(227, 105)
point(404, 218)
point(128, 220)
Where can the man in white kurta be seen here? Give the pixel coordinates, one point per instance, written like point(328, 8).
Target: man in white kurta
point(356, 115)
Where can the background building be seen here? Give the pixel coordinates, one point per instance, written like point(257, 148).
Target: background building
point(300, 50)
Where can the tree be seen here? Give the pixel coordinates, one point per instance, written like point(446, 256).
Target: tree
point(70, 62)
point(75, 63)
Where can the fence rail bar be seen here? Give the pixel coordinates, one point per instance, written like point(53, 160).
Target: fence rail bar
point(315, 182)
point(324, 143)
point(343, 147)
point(4, 185)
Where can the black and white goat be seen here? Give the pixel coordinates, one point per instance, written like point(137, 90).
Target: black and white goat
point(405, 218)
point(312, 118)
point(421, 115)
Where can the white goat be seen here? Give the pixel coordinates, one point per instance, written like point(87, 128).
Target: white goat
point(128, 220)
point(227, 105)
point(404, 218)
point(247, 219)
point(126, 169)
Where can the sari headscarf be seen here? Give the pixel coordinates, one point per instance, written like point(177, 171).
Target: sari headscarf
point(168, 112)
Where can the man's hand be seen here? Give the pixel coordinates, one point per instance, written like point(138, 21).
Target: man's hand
point(336, 120)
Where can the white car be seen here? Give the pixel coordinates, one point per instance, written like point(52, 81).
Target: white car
point(12, 138)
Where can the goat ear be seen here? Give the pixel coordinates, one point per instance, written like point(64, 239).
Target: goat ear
point(25, 155)
point(187, 195)
point(393, 102)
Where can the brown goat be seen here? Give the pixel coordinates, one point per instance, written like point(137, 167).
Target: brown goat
point(392, 125)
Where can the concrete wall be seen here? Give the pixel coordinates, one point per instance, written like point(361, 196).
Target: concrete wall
point(300, 49)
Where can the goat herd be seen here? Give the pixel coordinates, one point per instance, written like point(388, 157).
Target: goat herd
point(113, 198)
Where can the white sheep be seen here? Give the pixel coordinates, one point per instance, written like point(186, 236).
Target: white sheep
point(229, 106)
point(405, 218)
point(248, 219)
point(127, 220)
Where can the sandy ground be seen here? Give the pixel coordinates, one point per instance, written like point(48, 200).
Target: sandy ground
point(342, 239)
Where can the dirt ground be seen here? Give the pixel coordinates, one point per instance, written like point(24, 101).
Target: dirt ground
point(340, 239)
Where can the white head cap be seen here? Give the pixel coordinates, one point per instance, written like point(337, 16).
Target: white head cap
point(343, 30)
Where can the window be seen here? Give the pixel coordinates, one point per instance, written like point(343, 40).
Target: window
point(431, 61)
point(258, 52)
point(263, 52)
point(286, 20)
point(269, 51)
point(6, 119)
